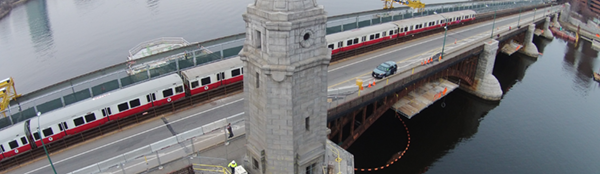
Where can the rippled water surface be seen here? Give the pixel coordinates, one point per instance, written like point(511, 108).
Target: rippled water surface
point(46, 41)
point(546, 122)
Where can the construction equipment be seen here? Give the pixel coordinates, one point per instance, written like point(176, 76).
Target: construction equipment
point(7, 93)
point(415, 4)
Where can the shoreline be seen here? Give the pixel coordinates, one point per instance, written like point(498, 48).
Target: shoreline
point(7, 5)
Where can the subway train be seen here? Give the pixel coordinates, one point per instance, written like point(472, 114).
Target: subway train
point(93, 112)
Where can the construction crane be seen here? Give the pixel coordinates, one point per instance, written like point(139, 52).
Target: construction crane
point(7, 93)
point(415, 4)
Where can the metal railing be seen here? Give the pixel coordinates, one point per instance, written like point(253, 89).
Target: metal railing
point(128, 73)
point(183, 145)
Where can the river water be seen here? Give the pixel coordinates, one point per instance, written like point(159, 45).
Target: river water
point(43, 42)
point(546, 122)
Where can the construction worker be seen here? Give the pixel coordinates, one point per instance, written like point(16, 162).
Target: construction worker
point(232, 165)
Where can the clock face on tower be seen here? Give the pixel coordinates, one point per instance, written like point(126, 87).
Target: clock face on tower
point(307, 38)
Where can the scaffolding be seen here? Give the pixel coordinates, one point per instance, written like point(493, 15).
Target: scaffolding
point(7, 93)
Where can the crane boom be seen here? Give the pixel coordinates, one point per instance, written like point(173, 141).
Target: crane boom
point(415, 4)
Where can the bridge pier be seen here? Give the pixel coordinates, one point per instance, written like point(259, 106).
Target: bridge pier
point(565, 12)
point(547, 34)
point(529, 48)
point(486, 85)
point(555, 23)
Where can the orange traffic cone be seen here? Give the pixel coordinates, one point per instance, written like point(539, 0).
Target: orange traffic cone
point(373, 83)
point(454, 41)
point(369, 84)
point(360, 87)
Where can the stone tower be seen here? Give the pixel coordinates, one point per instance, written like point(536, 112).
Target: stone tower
point(285, 86)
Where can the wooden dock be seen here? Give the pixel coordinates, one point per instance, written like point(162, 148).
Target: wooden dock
point(422, 97)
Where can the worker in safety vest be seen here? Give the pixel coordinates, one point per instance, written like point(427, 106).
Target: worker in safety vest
point(232, 165)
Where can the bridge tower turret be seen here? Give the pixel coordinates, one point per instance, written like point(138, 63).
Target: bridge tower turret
point(285, 59)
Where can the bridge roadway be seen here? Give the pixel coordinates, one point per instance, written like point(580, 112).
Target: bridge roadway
point(340, 74)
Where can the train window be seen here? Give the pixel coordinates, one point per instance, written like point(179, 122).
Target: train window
point(123, 106)
point(405, 29)
point(330, 46)
point(401, 30)
point(78, 121)
point(205, 81)
point(167, 92)
point(349, 42)
point(397, 30)
point(90, 117)
point(195, 84)
point(371, 37)
point(340, 44)
point(178, 89)
point(1, 148)
point(411, 27)
point(355, 40)
point(383, 34)
point(235, 72)
point(363, 39)
point(36, 135)
point(23, 140)
point(47, 132)
point(220, 76)
point(377, 36)
point(242, 70)
point(110, 113)
point(391, 32)
point(13, 144)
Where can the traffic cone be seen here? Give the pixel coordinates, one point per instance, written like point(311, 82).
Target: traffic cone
point(455, 41)
point(369, 85)
point(373, 83)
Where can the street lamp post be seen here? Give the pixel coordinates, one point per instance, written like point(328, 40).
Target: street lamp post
point(534, 10)
point(493, 25)
point(43, 145)
point(519, 21)
point(445, 30)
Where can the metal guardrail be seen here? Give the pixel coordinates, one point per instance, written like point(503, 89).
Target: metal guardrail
point(156, 154)
point(115, 77)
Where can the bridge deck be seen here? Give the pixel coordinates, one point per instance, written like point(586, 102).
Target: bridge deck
point(422, 97)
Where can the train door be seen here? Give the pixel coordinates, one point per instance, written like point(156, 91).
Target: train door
point(63, 127)
point(106, 112)
point(150, 98)
point(28, 135)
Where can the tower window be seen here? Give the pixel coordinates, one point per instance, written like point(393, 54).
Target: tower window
point(257, 39)
point(306, 36)
point(307, 123)
point(254, 163)
point(257, 80)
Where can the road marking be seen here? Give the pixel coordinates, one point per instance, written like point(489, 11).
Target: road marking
point(131, 136)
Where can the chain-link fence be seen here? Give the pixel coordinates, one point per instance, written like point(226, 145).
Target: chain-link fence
point(182, 146)
point(195, 54)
